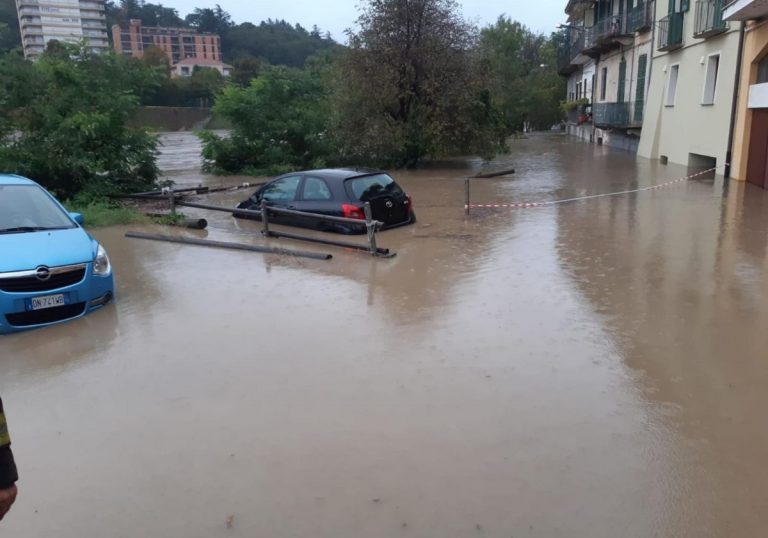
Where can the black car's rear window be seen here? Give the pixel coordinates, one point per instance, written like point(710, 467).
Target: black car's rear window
point(366, 187)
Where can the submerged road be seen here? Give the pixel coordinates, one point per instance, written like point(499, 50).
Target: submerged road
point(595, 369)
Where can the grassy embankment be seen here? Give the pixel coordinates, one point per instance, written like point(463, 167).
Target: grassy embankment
point(101, 213)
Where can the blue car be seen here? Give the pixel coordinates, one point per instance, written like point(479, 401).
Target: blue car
point(51, 270)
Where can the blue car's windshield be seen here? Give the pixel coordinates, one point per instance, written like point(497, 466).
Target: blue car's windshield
point(28, 208)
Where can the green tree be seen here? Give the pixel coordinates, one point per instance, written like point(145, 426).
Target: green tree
point(215, 21)
point(525, 86)
point(276, 41)
point(246, 68)
point(280, 122)
point(410, 87)
point(68, 115)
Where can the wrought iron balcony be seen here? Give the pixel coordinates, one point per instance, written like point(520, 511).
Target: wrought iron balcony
point(671, 32)
point(618, 115)
point(709, 19)
point(567, 54)
point(640, 18)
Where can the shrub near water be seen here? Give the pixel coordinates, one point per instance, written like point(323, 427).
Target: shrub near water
point(63, 121)
point(279, 123)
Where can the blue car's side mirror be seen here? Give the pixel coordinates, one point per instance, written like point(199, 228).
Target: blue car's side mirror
point(78, 218)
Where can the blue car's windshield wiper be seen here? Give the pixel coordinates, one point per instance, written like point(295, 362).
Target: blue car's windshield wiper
point(25, 229)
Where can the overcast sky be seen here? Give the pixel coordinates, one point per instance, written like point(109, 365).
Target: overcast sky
point(336, 15)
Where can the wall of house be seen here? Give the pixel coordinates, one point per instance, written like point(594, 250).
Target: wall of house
point(755, 49)
point(690, 129)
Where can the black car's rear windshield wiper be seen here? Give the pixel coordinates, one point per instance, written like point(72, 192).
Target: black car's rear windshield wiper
point(25, 229)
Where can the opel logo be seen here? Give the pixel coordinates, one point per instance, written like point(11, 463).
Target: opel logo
point(389, 203)
point(43, 273)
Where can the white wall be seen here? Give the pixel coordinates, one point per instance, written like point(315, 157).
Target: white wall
point(690, 127)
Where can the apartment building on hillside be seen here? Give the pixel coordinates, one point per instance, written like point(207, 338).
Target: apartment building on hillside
point(177, 43)
point(694, 64)
point(607, 62)
point(71, 21)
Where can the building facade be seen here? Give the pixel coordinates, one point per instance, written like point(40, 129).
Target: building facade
point(70, 21)
point(690, 104)
point(607, 62)
point(186, 67)
point(750, 139)
point(177, 43)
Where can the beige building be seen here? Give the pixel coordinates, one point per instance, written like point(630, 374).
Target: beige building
point(186, 67)
point(607, 62)
point(750, 140)
point(689, 111)
point(71, 21)
point(177, 43)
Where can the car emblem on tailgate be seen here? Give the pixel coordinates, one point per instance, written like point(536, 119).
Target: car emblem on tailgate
point(43, 273)
point(389, 203)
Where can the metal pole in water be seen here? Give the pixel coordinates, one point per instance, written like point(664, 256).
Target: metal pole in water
point(371, 228)
point(265, 218)
point(172, 201)
point(466, 196)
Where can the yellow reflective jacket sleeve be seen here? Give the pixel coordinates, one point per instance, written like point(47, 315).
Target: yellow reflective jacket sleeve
point(8, 474)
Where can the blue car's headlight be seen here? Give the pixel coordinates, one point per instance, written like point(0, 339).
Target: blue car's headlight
point(101, 265)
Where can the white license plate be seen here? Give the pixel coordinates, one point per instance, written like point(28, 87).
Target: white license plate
point(49, 301)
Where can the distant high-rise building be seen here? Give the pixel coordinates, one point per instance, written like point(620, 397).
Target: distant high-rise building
point(70, 21)
point(177, 43)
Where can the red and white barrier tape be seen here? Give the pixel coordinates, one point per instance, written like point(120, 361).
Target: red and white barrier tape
point(523, 205)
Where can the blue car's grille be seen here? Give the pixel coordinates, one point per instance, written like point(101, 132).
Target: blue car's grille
point(49, 315)
point(27, 284)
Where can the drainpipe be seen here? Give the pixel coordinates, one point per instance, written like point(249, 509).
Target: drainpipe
point(734, 106)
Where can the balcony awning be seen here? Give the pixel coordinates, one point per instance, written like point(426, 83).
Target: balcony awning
point(744, 10)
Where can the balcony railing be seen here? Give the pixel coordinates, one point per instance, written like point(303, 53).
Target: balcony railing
point(611, 27)
point(569, 52)
point(671, 32)
point(640, 18)
point(579, 116)
point(709, 19)
point(618, 115)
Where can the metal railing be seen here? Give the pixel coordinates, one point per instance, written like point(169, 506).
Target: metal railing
point(640, 17)
point(709, 18)
point(613, 26)
point(671, 32)
point(570, 51)
point(618, 115)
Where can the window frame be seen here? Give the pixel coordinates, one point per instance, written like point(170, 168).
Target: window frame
point(303, 196)
point(603, 83)
point(706, 98)
point(271, 183)
point(671, 102)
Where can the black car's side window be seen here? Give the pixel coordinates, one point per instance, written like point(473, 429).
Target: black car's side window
point(282, 190)
point(315, 189)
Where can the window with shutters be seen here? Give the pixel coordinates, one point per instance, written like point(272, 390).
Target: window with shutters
point(622, 81)
point(642, 68)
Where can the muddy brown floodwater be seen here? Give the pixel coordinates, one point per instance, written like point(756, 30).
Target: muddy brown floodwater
point(595, 369)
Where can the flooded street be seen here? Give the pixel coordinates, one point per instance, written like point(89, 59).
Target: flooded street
point(595, 369)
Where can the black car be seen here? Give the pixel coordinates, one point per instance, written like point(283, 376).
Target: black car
point(338, 192)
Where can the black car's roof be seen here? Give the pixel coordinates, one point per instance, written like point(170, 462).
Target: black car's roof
point(339, 173)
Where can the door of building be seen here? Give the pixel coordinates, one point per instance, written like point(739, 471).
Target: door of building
point(757, 164)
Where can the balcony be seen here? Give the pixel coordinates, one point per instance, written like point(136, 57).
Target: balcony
point(640, 18)
point(709, 19)
point(744, 10)
point(567, 55)
point(627, 115)
point(671, 32)
point(607, 34)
